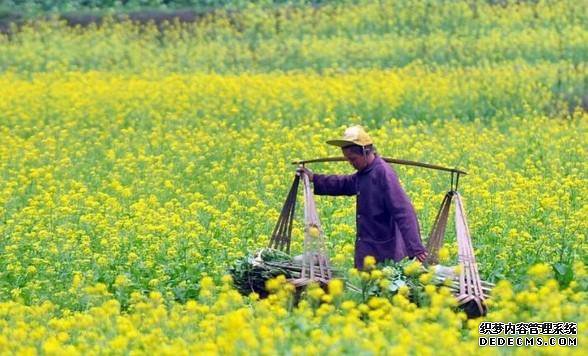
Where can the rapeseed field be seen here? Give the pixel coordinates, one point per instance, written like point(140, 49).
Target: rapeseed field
point(137, 163)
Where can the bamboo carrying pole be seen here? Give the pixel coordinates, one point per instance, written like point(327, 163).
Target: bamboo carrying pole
point(387, 159)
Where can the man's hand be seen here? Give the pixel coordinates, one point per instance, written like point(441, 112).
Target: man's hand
point(422, 256)
point(306, 171)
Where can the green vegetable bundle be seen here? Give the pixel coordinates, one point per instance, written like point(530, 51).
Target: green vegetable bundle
point(251, 272)
point(410, 278)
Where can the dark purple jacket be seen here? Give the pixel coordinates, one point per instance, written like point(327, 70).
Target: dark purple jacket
point(387, 225)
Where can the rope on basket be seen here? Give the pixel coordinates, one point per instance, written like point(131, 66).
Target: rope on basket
point(470, 286)
point(315, 261)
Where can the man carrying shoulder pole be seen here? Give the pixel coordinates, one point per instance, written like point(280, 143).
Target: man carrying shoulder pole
point(387, 225)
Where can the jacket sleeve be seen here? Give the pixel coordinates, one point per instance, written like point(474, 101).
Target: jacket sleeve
point(334, 184)
point(397, 202)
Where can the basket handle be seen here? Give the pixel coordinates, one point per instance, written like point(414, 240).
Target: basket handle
point(282, 234)
point(438, 231)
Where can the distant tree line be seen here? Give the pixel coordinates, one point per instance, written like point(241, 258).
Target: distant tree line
point(36, 6)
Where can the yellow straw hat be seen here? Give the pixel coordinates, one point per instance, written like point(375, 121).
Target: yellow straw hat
point(354, 135)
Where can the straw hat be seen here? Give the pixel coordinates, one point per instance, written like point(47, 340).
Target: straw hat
point(354, 135)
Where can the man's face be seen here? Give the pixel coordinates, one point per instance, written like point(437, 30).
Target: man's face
point(357, 161)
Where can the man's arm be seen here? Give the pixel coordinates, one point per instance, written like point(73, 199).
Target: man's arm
point(334, 184)
point(399, 205)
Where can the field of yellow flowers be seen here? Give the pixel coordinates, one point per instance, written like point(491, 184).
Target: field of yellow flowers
point(137, 163)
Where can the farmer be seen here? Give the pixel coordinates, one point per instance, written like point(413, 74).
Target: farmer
point(387, 226)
